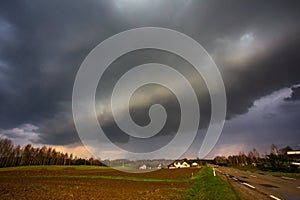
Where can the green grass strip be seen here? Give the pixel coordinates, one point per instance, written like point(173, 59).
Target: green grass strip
point(54, 167)
point(104, 177)
point(256, 170)
point(209, 187)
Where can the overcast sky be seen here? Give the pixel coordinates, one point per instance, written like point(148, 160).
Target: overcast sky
point(255, 45)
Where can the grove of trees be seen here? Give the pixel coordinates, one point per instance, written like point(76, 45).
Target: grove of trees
point(11, 155)
point(277, 160)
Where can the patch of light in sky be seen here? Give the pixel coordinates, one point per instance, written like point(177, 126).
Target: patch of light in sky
point(247, 38)
point(274, 98)
point(120, 4)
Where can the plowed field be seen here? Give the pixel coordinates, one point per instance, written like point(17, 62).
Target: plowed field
point(94, 184)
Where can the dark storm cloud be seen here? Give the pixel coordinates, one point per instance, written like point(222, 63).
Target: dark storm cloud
point(51, 40)
point(150, 95)
point(42, 44)
point(262, 74)
point(272, 120)
point(43, 61)
point(220, 25)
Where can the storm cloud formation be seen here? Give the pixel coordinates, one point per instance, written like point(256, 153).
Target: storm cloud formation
point(255, 44)
point(295, 94)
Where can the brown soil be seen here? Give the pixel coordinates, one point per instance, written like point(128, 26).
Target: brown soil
point(36, 185)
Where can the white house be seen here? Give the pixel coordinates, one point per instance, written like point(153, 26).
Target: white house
point(143, 167)
point(181, 165)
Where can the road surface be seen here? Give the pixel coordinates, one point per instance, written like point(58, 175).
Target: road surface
point(261, 184)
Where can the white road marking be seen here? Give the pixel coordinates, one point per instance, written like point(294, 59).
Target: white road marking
point(272, 196)
point(252, 175)
point(214, 171)
point(284, 177)
point(248, 185)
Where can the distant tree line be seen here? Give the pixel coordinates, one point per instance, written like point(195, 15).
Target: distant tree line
point(11, 155)
point(277, 160)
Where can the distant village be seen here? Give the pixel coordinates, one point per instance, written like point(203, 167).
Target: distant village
point(184, 163)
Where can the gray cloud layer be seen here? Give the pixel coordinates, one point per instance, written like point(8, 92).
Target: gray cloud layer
point(42, 44)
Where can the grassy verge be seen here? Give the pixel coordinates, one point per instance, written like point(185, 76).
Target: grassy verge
point(209, 187)
point(280, 174)
point(247, 168)
point(54, 167)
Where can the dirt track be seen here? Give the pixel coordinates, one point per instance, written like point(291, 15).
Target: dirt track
point(36, 185)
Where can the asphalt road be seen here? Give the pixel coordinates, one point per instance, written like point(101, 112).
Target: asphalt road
point(272, 186)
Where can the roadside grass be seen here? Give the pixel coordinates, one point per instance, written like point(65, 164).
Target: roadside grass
point(256, 170)
point(290, 175)
point(209, 187)
point(55, 167)
point(247, 168)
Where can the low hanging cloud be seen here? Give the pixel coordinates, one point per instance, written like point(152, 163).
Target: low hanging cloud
point(295, 96)
point(23, 134)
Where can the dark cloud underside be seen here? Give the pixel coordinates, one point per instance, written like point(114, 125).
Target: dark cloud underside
point(255, 44)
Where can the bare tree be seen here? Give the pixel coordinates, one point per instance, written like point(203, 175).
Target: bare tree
point(274, 150)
